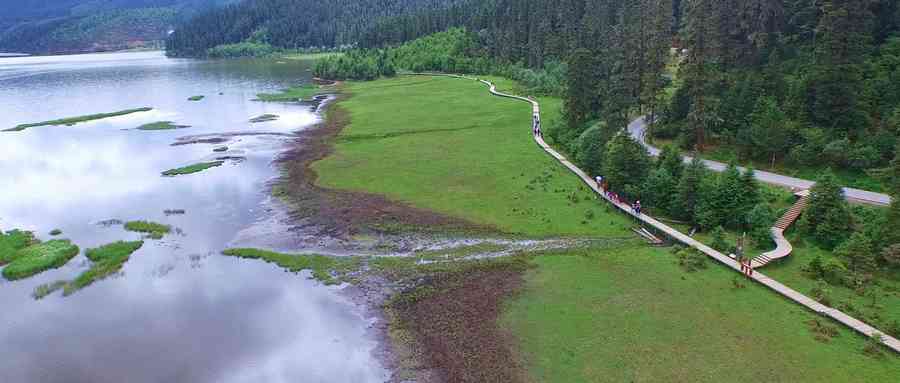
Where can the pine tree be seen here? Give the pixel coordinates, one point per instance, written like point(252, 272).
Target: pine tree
point(836, 84)
point(689, 190)
point(719, 242)
point(827, 217)
point(626, 165)
point(659, 190)
point(581, 96)
point(670, 159)
point(858, 253)
point(759, 221)
point(769, 128)
point(892, 226)
point(750, 194)
point(721, 202)
point(703, 43)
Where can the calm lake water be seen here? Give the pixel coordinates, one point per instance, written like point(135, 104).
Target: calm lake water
point(179, 311)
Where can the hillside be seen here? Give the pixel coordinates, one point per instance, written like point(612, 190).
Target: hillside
point(289, 23)
point(77, 26)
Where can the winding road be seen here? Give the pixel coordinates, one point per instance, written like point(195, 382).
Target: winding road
point(727, 261)
point(638, 128)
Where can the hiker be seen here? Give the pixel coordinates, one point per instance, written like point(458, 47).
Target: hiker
point(599, 180)
point(637, 207)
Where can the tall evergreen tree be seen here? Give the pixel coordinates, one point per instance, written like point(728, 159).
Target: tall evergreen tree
point(703, 43)
point(626, 165)
point(689, 190)
point(670, 159)
point(827, 217)
point(769, 128)
point(581, 97)
point(836, 85)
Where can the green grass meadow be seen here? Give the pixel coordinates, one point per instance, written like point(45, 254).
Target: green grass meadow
point(626, 314)
point(447, 145)
point(633, 315)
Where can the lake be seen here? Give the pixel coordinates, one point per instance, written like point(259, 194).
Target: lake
point(179, 311)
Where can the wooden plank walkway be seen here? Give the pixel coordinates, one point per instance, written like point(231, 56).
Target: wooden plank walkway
point(728, 261)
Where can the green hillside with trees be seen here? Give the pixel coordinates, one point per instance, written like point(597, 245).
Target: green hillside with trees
point(76, 26)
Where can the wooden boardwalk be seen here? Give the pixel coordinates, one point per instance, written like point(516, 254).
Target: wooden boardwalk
point(728, 261)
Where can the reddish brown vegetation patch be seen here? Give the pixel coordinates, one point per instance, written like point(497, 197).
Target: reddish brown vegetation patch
point(452, 319)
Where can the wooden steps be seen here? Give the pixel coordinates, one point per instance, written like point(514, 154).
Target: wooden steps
point(783, 248)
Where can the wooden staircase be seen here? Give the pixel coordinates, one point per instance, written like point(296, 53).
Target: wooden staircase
point(783, 247)
point(792, 214)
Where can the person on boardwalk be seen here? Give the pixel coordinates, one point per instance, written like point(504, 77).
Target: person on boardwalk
point(599, 180)
point(637, 207)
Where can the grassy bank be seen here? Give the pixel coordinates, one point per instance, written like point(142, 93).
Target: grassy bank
point(191, 169)
point(324, 269)
point(151, 229)
point(40, 257)
point(161, 125)
point(11, 242)
point(446, 145)
point(74, 120)
point(633, 315)
point(108, 259)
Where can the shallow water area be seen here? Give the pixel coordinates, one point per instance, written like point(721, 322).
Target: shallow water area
point(178, 311)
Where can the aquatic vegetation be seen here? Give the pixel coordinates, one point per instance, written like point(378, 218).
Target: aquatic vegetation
point(39, 257)
point(47, 288)
point(161, 125)
point(190, 169)
point(55, 232)
point(323, 268)
point(74, 120)
point(12, 241)
point(152, 229)
point(196, 98)
point(264, 118)
point(108, 259)
point(296, 93)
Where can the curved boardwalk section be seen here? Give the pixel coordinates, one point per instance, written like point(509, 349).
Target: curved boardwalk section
point(791, 294)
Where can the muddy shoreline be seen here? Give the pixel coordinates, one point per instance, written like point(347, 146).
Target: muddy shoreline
point(467, 344)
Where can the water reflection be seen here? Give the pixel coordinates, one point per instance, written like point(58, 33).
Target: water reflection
point(178, 311)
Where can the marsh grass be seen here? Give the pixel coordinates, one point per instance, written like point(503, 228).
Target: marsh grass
point(264, 118)
point(47, 288)
point(12, 241)
point(108, 260)
point(152, 229)
point(460, 252)
point(161, 125)
point(291, 94)
point(325, 269)
point(39, 257)
point(74, 120)
point(191, 169)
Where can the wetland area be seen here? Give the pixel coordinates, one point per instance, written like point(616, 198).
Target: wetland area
point(176, 309)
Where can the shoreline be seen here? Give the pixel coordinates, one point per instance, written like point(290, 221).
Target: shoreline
point(336, 220)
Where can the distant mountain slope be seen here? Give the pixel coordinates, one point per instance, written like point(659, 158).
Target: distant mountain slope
point(73, 26)
point(289, 23)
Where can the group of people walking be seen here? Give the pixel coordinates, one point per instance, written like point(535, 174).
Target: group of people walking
point(536, 126)
point(602, 185)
